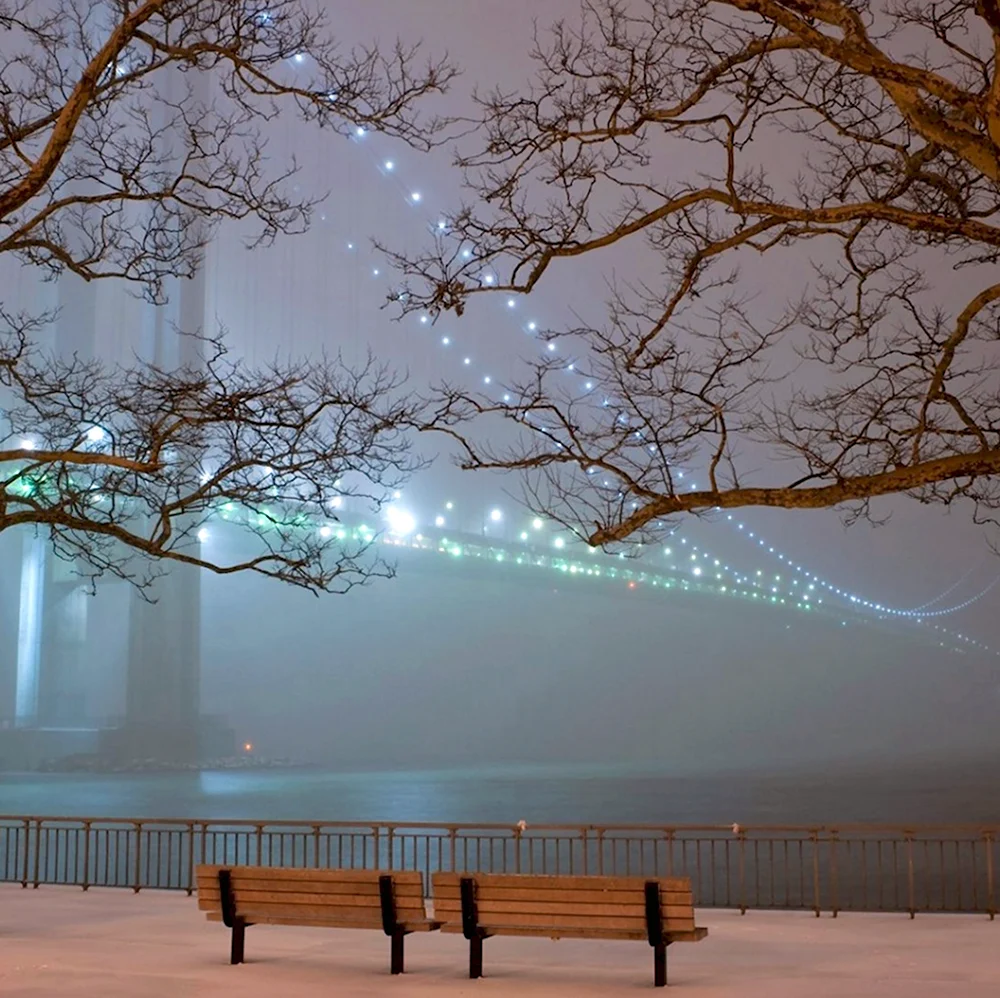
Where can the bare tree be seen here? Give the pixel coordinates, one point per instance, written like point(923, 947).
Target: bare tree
point(119, 462)
point(850, 146)
point(128, 132)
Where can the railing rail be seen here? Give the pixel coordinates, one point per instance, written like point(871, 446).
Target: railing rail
point(821, 869)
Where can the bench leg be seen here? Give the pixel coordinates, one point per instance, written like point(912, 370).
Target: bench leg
point(236, 948)
point(660, 965)
point(396, 960)
point(476, 957)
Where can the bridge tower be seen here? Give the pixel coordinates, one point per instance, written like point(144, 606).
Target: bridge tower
point(49, 644)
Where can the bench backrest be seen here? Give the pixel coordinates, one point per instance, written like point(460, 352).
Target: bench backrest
point(336, 896)
point(612, 904)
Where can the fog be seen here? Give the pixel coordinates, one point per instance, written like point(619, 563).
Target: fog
point(453, 664)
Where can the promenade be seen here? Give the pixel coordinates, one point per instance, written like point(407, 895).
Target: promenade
point(114, 944)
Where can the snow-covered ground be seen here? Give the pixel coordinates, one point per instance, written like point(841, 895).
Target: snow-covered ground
point(113, 944)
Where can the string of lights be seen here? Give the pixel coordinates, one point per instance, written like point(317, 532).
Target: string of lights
point(800, 584)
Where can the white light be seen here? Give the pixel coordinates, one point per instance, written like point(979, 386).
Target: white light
point(532, 326)
point(397, 494)
point(439, 521)
point(359, 132)
point(400, 521)
point(202, 535)
point(537, 523)
point(299, 57)
point(416, 196)
point(424, 320)
point(572, 367)
point(524, 535)
point(375, 271)
point(350, 246)
point(487, 380)
point(696, 570)
point(336, 502)
point(449, 505)
point(506, 396)
point(467, 254)
point(445, 341)
point(511, 303)
point(559, 543)
point(442, 225)
point(496, 515)
point(552, 347)
point(27, 445)
point(489, 279)
point(95, 434)
point(389, 165)
point(325, 532)
point(589, 385)
point(468, 360)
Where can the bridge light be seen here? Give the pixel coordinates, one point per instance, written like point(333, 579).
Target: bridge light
point(401, 523)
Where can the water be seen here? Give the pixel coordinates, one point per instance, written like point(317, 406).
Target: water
point(966, 793)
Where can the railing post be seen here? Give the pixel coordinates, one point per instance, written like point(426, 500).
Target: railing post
point(38, 851)
point(814, 837)
point(27, 853)
point(137, 868)
point(390, 839)
point(190, 862)
point(990, 906)
point(909, 875)
point(259, 835)
point(517, 849)
point(834, 899)
point(316, 832)
point(585, 845)
point(86, 855)
point(453, 837)
point(743, 871)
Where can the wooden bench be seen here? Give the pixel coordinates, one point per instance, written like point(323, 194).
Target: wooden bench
point(483, 905)
point(240, 896)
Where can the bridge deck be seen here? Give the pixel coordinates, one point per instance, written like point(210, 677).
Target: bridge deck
point(112, 944)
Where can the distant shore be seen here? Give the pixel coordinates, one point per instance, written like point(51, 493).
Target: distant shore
point(99, 765)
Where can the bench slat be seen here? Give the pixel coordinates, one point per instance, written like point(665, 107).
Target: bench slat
point(423, 925)
point(636, 923)
point(365, 904)
point(253, 911)
point(400, 877)
point(448, 892)
point(683, 936)
point(560, 933)
point(486, 907)
point(543, 881)
point(210, 885)
point(316, 897)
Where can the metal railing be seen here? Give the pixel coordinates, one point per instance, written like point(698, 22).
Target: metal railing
point(854, 868)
